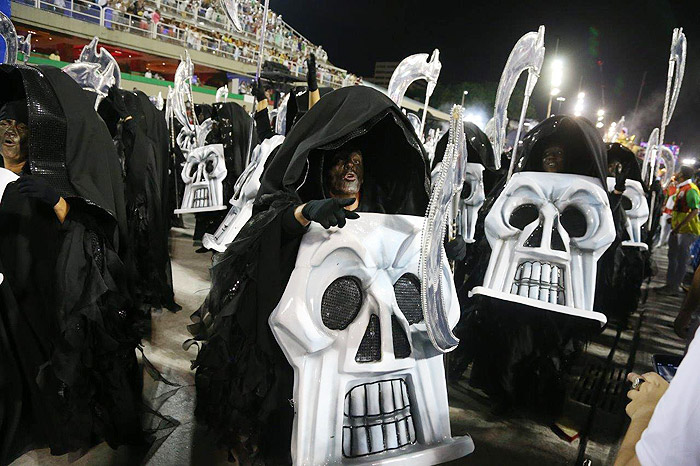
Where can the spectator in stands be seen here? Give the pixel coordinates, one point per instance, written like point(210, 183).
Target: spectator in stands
point(664, 418)
point(55, 56)
point(685, 230)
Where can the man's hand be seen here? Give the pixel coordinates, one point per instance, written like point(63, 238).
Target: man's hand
point(329, 212)
point(259, 93)
point(456, 249)
point(620, 178)
point(311, 73)
point(647, 396)
point(38, 188)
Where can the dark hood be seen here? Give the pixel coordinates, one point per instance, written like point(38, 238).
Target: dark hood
point(396, 179)
point(479, 149)
point(619, 153)
point(70, 145)
point(298, 104)
point(232, 128)
point(586, 154)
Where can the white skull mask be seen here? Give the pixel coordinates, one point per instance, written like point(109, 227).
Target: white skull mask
point(203, 174)
point(471, 199)
point(368, 382)
point(246, 190)
point(547, 231)
point(634, 202)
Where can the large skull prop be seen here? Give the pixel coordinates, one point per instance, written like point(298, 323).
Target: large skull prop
point(246, 190)
point(547, 231)
point(369, 385)
point(203, 174)
point(634, 202)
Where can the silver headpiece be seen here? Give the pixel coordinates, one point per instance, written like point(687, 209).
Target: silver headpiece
point(231, 9)
point(13, 43)
point(95, 71)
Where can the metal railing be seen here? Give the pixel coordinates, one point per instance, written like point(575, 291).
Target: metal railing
point(117, 20)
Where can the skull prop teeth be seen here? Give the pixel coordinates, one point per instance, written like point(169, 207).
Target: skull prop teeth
point(369, 385)
point(547, 232)
point(203, 174)
point(634, 202)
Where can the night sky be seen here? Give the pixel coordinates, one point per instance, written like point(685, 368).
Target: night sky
point(475, 39)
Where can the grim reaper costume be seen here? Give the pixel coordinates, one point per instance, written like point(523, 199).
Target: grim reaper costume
point(521, 353)
point(231, 127)
point(68, 375)
point(142, 145)
point(243, 379)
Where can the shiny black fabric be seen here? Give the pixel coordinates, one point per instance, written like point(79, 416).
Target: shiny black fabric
point(619, 153)
point(244, 382)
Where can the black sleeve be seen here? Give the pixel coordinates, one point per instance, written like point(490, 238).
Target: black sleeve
point(262, 125)
point(290, 226)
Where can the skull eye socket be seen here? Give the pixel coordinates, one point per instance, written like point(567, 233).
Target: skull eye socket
point(407, 291)
point(210, 164)
point(466, 190)
point(626, 203)
point(574, 222)
point(341, 303)
point(524, 215)
point(193, 169)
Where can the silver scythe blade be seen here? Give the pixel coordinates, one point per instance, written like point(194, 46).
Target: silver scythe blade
point(676, 70)
point(527, 55)
point(652, 145)
point(449, 181)
point(231, 9)
point(9, 33)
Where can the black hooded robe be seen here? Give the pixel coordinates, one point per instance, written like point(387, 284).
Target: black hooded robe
point(68, 335)
point(244, 382)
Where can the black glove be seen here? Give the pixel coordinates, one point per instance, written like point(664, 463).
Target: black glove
point(259, 93)
point(456, 249)
point(329, 212)
point(38, 188)
point(311, 73)
point(620, 178)
point(117, 102)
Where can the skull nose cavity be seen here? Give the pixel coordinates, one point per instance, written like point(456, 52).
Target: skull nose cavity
point(540, 280)
point(370, 349)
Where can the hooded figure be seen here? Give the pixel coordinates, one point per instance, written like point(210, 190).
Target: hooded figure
point(243, 379)
point(232, 124)
point(520, 353)
point(141, 137)
point(69, 371)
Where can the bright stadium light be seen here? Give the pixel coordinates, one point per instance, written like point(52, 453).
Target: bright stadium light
point(601, 113)
point(578, 108)
point(557, 72)
point(689, 161)
point(600, 124)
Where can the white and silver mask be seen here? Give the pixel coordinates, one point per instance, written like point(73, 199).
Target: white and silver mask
point(634, 202)
point(369, 384)
point(547, 232)
point(203, 174)
point(246, 190)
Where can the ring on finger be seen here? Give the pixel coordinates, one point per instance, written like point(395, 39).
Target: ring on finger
point(637, 383)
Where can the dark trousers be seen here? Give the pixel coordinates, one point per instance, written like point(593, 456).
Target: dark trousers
point(678, 257)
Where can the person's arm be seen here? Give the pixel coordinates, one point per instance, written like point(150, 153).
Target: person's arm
point(640, 410)
point(693, 201)
point(687, 219)
point(61, 210)
point(311, 80)
point(690, 304)
point(262, 118)
point(39, 189)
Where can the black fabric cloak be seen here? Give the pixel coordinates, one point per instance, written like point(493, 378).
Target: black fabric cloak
point(67, 325)
point(232, 124)
point(521, 354)
point(144, 145)
point(244, 382)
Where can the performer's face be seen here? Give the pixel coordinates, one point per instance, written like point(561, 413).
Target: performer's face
point(553, 160)
point(613, 167)
point(346, 174)
point(14, 139)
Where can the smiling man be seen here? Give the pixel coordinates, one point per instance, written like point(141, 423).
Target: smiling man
point(14, 135)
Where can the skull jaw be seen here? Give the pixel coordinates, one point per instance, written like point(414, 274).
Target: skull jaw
point(199, 197)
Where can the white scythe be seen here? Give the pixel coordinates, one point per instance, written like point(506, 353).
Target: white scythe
point(449, 181)
point(674, 79)
point(527, 55)
point(413, 68)
point(652, 144)
point(231, 9)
